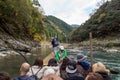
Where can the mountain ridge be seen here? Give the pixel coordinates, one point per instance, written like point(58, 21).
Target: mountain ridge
point(103, 23)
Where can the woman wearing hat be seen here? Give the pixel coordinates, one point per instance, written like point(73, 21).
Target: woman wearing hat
point(82, 65)
point(101, 69)
point(72, 73)
point(60, 54)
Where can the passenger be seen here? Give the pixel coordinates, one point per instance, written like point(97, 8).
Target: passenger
point(35, 69)
point(52, 67)
point(63, 66)
point(72, 73)
point(23, 71)
point(60, 54)
point(83, 67)
point(52, 77)
point(101, 69)
point(52, 62)
point(4, 76)
point(94, 76)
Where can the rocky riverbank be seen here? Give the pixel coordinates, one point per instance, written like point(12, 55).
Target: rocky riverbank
point(10, 46)
point(110, 46)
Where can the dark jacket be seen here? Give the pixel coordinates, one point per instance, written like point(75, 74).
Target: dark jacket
point(63, 74)
point(105, 75)
point(54, 42)
point(82, 69)
point(22, 78)
point(74, 76)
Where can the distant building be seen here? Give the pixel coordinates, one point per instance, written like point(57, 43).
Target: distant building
point(37, 5)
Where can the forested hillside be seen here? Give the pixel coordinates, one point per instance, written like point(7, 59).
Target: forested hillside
point(22, 19)
point(105, 22)
point(56, 27)
point(18, 18)
point(61, 24)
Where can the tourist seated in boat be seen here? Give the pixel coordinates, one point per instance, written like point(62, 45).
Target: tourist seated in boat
point(49, 74)
point(63, 66)
point(23, 71)
point(52, 67)
point(60, 54)
point(72, 73)
point(101, 69)
point(36, 67)
point(94, 76)
point(4, 76)
point(83, 67)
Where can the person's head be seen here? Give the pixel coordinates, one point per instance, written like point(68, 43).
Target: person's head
point(49, 71)
point(24, 68)
point(71, 67)
point(51, 77)
point(81, 57)
point(52, 62)
point(52, 38)
point(100, 67)
point(4, 76)
point(94, 76)
point(38, 62)
point(64, 63)
point(61, 48)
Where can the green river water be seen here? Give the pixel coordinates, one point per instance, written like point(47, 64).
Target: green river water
point(11, 64)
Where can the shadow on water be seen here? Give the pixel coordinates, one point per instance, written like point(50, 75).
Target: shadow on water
point(11, 64)
point(111, 60)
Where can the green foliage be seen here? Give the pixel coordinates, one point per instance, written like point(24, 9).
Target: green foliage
point(104, 22)
point(62, 25)
point(55, 27)
point(19, 18)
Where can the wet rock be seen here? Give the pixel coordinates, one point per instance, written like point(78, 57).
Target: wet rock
point(112, 50)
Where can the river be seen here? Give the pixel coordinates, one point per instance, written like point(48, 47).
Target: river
point(11, 64)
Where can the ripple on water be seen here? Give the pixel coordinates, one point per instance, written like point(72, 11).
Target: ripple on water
point(111, 60)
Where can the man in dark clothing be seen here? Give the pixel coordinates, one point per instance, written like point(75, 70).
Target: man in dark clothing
point(55, 44)
point(71, 70)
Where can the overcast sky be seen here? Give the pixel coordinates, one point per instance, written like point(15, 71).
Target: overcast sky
point(70, 11)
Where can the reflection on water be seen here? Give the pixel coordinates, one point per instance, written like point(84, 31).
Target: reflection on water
point(11, 64)
point(111, 60)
